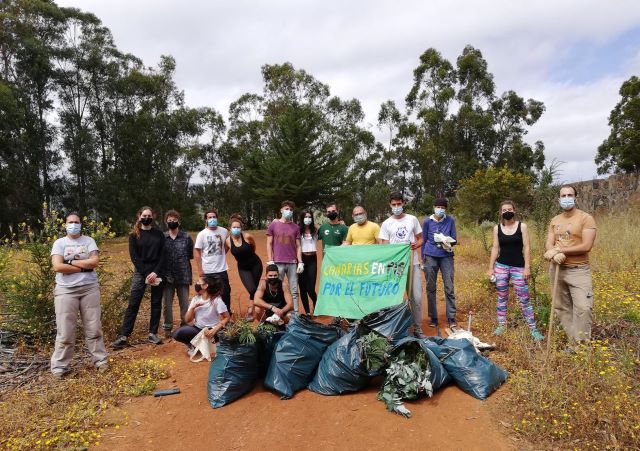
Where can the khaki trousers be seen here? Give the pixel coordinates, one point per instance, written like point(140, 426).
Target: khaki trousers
point(574, 300)
point(69, 301)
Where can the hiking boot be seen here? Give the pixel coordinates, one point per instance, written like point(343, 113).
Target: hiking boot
point(536, 335)
point(153, 338)
point(499, 330)
point(120, 342)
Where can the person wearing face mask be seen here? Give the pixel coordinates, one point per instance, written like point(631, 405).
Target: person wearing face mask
point(206, 311)
point(334, 232)
point(309, 245)
point(177, 270)
point(147, 252)
point(272, 297)
point(439, 257)
point(243, 248)
point(569, 240)
point(74, 258)
point(403, 228)
point(284, 248)
point(362, 231)
point(210, 253)
point(511, 260)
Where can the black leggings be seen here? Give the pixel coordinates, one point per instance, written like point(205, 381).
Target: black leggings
point(307, 281)
point(251, 277)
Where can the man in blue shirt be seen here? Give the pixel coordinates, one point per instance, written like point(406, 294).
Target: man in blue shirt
point(438, 256)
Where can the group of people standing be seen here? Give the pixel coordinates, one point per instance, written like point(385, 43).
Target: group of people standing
point(162, 261)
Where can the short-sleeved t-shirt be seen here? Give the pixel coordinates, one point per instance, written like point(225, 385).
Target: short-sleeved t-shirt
point(209, 314)
point(332, 234)
point(285, 236)
point(401, 231)
point(363, 234)
point(75, 249)
point(568, 232)
point(211, 244)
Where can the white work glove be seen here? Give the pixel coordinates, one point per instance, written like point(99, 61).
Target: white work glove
point(270, 262)
point(300, 268)
point(275, 319)
point(550, 254)
point(559, 258)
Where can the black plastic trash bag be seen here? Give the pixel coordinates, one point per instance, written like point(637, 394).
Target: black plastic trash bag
point(340, 370)
point(472, 372)
point(233, 372)
point(392, 322)
point(266, 343)
point(297, 355)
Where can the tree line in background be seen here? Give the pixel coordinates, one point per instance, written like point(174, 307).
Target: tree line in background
point(86, 127)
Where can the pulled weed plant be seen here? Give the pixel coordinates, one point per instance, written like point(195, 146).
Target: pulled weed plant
point(586, 400)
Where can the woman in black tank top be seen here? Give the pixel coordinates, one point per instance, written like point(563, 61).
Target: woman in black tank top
point(510, 260)
point(243, 247)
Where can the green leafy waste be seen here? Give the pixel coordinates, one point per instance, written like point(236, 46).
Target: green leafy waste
point(244, 332)
point(375, 350)
point(407, 379)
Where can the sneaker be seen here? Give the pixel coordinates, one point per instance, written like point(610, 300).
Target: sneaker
point(120, 342)
point(102, 367)
point(499, 330)
point(569, 350)
point(536, 335)
point(153, 338)
point(453, 325)
point(168, 334)
point(59, 374)
point(419, 334)
point(191, 350)
point(433, 323)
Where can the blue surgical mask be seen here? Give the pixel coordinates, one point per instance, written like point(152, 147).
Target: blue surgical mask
point(567, 203)
point(307, 221)
point(287, 214)
point(235, 231)
point(439, 212)
point(212, 222)
point(359, 219)
point(397, 210)
point(73, 229)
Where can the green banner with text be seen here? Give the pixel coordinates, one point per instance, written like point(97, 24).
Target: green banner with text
point(358, 280)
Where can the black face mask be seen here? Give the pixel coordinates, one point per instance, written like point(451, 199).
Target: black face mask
point(198, 287)
point(146, 221)
point(212, 292)
point(273, 280)
point(333, 215)
point(508, 215)
point(173, 225)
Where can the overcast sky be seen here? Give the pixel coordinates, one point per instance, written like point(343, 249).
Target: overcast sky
point(572, 55)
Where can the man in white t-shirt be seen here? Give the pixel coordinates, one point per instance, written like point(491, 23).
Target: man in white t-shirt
point(403, 228)
point(74, 258)
point(210, 253)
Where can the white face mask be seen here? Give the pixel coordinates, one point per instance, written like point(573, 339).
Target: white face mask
point(287, 214)
point(439, 212)
point(397, 210)
point(307, 221)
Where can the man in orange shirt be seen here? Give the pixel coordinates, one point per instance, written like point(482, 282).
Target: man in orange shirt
point(570, 238)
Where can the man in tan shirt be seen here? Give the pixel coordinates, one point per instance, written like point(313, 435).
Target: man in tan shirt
point(570, 238)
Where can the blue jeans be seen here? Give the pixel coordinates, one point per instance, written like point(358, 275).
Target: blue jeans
point(431, 267)
point(290, 270)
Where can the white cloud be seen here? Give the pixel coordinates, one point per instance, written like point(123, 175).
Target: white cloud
point(368, 50)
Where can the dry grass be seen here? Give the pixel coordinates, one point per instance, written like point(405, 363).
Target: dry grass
point(587, 400)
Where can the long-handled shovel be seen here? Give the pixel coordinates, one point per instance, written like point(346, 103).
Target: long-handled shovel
point(553, 305)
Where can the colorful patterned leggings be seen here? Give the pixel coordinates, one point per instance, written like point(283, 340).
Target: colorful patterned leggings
point(503, 274)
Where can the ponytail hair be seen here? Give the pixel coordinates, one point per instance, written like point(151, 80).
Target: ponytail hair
point(135, 231)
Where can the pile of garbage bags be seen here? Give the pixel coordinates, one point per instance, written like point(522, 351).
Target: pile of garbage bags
point(328, 360)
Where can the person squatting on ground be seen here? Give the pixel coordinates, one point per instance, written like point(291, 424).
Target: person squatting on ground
point(362, 231)
point(334, 232)
point(74, 258)
point(206, 311)
point(177, 270)
point(511, 260)
point(438, 256)
point(403, 228)
point(309, 248)
point(569, 240)
point(243, 248)
point(284, 249)
point(147, 252)
point(273, 301)
point(210, 253)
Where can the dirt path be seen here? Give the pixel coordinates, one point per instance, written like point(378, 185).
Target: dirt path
point(260, 420)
